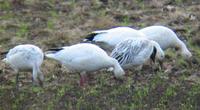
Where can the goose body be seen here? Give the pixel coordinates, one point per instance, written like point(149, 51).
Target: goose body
point(136, 51)
point(113, 36)
point(166, 38)
point(85, 57)
point(26, 57)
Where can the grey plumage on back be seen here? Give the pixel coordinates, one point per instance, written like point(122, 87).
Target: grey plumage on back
point(132, 51)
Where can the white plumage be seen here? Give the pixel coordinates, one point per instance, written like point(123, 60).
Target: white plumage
point(85, 57)
point(26, 57)
point(136, 51)
point(166, 38)
point(113, 36)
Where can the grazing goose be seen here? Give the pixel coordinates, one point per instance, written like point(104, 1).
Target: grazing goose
point(83, 58)
point(113, 36)
point(26, 57)
point(136, 51)
point(166, 38)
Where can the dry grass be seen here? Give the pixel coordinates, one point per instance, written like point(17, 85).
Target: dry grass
point(50, 23)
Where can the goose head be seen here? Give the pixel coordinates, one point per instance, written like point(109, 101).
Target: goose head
point(160, 55)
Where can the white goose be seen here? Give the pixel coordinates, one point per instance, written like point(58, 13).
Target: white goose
point(85, 57)
point(136, 51)
point(166, 38)
point(113, 36)
point(26, 57)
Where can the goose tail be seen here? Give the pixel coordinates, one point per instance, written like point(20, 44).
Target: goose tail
point(55, 49)
point(5, 60)
point(4, 53)
point(91, 36)
point(50, 55)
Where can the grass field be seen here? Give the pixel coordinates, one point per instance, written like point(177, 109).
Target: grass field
point(55, 23)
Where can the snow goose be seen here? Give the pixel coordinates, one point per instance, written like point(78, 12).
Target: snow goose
point(26, 57)
point(166, 38)
point(136, 51)
point(83, 58)
point(113, 36)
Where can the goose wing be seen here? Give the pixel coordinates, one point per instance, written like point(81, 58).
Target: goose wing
point(20, 49)
point(128, 50)
point(106, 35)
point(25, 52)
point(92, 36)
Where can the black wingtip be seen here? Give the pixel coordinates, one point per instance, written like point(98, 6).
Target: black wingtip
point(52, 50)
point(55, 49)
point(90, 37)
point(4, 53)
point(153, 55)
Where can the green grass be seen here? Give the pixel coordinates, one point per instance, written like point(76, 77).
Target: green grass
point(5, 5)
point(52, 27)
point(23, 30)
point(179, 1)
point(50, 24)
point(7, 16)
point(125, 21)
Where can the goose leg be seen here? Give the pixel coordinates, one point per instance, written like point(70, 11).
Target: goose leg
point(156, 66)
point(83, 78)
point(17, 80)
point(160, 63)
point(34, 76)
point(41, 78)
